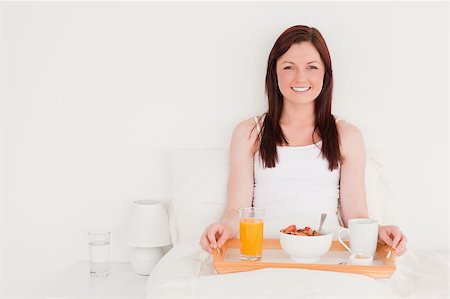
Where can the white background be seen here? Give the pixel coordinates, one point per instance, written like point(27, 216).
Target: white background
point(91, 92)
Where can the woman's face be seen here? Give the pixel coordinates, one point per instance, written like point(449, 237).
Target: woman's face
point(300, 73)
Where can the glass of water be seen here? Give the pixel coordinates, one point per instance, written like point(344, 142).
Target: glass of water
point(99, 252)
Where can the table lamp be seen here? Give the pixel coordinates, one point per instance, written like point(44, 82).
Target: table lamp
point(148, 231)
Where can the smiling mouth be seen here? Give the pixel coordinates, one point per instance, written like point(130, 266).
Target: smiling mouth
point(300, 89)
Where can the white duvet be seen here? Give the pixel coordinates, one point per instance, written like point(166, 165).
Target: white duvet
point(187, 272)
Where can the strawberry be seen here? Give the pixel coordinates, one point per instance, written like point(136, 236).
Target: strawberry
point(290, 228)
point(307, 228)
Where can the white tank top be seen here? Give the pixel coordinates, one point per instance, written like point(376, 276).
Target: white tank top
point(299, 183)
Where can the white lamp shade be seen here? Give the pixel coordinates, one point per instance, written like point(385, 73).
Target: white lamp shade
point(149, 225)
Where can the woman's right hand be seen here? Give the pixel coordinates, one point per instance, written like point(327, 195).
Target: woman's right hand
point(215, 235)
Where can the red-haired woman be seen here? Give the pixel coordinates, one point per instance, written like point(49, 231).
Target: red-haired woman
point(297, 156)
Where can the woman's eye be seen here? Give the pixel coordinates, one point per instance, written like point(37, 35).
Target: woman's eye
point(309, 67)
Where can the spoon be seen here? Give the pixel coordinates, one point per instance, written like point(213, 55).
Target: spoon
point(322, 220)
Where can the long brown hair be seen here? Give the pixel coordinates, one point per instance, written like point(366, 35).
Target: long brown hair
point(325, 124)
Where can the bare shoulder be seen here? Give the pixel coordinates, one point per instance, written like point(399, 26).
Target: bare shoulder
point(348, 130)
point(351, 138)
point(245, 134)
point(245, 126)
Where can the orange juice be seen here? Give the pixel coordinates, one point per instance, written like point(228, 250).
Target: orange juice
point(251, 235)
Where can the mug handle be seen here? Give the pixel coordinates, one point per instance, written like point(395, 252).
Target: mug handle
point(342, 242)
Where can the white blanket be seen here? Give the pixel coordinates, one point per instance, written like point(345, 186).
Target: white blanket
point(187, 272)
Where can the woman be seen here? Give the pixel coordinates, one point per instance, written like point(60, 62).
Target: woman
point(297, 156)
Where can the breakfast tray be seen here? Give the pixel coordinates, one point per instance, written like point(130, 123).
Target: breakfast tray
point(227, 259)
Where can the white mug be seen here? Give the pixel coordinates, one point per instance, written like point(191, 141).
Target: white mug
point(363, 236)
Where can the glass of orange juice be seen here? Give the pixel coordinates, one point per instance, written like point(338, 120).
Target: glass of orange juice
point(251, 233)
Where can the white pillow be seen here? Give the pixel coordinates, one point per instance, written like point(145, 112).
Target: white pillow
point(380, 199)
point(199, 179)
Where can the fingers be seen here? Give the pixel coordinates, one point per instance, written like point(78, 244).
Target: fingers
point(401, 247)
point(225, 235)
point(384, 236)
point(204, 243)
point(400, 252)
point(393, 236)
point(397, 236)
point(211, 234)
point(208, 240)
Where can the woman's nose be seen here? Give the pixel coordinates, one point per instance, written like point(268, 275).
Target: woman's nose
point(300, 75)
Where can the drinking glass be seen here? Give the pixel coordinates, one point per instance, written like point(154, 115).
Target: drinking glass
point(251, 233)
point(99, 252)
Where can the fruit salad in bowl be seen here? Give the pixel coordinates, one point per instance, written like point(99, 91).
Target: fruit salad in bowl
point(305, 245)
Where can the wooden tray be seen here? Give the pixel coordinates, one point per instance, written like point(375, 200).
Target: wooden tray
point(227, 260)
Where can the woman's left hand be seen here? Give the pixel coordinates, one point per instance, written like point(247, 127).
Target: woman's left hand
point(392, 236)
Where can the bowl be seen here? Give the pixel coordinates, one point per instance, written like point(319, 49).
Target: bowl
point(306, 249)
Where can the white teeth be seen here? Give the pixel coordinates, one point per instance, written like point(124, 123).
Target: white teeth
point(301, 88)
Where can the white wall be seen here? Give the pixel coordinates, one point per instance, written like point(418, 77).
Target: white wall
point(92, 91)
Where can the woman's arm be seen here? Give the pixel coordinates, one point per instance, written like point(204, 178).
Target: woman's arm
point(240, 178)
point(353, 167)
point(352, 186)
point(240, 186)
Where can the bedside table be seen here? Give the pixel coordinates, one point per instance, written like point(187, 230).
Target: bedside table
point(75, 281)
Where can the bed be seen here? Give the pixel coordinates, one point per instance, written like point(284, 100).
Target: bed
point(198, 184)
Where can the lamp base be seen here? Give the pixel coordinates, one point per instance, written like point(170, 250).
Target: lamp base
point(144, 259)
